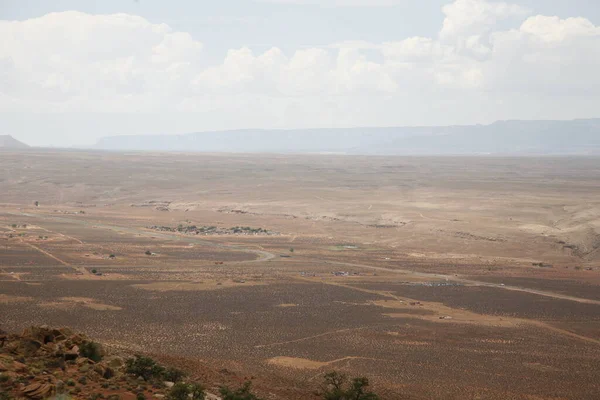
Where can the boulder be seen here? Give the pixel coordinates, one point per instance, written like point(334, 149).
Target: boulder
point(28, 347)
point(19, 367)
point(39, 390)
point(72, 353)
point(115, 362)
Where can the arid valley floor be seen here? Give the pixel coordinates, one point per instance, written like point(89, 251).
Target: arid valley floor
point(437, 278)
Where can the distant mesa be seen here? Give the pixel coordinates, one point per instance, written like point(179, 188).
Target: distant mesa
point(503, 137)
point(9, 142)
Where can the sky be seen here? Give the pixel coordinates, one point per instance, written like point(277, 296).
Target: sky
point(72, 71)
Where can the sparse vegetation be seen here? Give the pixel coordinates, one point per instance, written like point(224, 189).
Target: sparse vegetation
point(4, 395)
point(185, 391)
point(173, 374)
point(145, 367)
point(91, 350)
point(338, 387)
point(242, 393)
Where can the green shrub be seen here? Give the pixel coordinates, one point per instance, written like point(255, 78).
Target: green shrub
point(4, 395)
point(61, 396)
point(242, 393)
point(140, 396)
point(91, 350)
point(337, 387)
point(94, 271)
point(184, 391)
point(173, 375)
point(145, 367)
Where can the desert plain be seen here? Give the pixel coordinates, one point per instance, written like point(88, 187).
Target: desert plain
point(435, 277)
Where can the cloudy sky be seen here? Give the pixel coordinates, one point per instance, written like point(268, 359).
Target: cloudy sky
point(72, 71)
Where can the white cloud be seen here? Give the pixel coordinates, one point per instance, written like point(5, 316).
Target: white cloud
point(340, 3)
point(73, 62)
point(464, 18)
point(547, 55)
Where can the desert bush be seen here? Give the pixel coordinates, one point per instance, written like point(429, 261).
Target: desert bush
point(94, 271)
point(173, 374)
point(243, 393)
point(337, 387)
point(184, 391)
point(140, 396)
point(148, 253)
point(91, 350)
point(145, 367)
point(61, 396)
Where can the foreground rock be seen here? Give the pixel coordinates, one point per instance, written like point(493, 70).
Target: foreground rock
point(42, 362)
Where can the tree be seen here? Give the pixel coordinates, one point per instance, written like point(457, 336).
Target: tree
point(142, 366)
point(337, 387)
point(292, 250)
point(173, 374)
point(184, 391)
point(148, 253)
point(91, 350)
point(242, 393)
point(36, 203)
